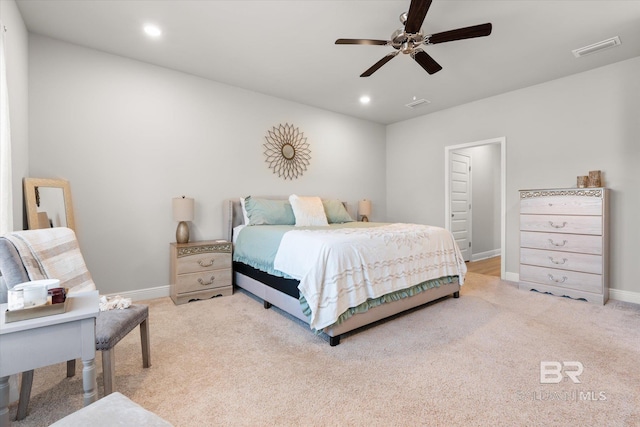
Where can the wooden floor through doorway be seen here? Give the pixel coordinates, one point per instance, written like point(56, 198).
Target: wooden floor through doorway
point(488, 267)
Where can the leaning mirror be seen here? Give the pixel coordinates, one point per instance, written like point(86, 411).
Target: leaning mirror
point(48, 203)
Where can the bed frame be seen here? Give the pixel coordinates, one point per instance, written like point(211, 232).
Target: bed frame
point(233, 217)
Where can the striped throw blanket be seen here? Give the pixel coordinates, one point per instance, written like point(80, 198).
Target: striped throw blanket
point(53, 253)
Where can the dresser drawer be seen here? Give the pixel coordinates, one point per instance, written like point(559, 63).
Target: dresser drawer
point(203, 280)
point(202, 262)
point(562, 278)
point(554, 202)
point(585, 263)
point(562, 242)
point(573, 224)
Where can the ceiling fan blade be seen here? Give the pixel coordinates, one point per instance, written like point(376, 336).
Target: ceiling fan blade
point(379, 64)
point(481, 30)
point(363, 41)
point(415, 17)
point(427, 62)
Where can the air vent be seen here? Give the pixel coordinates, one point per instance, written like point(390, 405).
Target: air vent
point(596, 47)
point(417, 103)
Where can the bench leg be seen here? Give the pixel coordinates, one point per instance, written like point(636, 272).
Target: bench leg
point(144, 340)
point(25, 394)
point(108, 370)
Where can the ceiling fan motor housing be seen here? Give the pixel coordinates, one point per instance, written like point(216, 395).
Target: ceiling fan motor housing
point(406, 42)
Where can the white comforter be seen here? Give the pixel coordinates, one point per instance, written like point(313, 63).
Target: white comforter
point(339, 269)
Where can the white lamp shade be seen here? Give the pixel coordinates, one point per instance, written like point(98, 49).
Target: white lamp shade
point(364, 207)
point(183, 209)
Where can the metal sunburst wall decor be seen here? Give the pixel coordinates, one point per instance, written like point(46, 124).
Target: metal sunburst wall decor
point(287, 151)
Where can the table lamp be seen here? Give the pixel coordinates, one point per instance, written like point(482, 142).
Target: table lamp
point(364, 209)
point(182, 212)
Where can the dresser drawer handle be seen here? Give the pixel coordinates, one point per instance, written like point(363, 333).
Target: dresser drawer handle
point(564, 242)
point(556, 225)
point(203, 283)
point(202, 264)
point(564, 279)
point(558, 262)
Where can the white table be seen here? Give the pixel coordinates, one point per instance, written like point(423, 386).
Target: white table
point(34, 343)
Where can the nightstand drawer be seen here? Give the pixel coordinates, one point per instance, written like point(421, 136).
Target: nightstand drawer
point(202, 262)
point(573, 224)
point(203, 280)
point(562, 278)
point(585, 263)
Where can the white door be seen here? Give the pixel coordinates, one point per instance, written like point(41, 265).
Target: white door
point(460, 199)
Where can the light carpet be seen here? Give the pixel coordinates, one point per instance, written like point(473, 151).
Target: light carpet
point(472, 361)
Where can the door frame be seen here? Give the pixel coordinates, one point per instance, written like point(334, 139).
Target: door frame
point(503, 192)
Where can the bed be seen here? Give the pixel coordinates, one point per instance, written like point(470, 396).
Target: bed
point(298, 288)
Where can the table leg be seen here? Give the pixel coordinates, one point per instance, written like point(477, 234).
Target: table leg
point(4, 401)
point(89, 382)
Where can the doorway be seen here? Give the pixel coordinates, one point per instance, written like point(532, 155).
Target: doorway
point(455, 220)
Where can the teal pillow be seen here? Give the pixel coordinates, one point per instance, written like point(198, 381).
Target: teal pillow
point(269, 212)
point(336, 212)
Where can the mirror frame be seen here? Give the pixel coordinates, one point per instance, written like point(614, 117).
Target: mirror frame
point(30, 185)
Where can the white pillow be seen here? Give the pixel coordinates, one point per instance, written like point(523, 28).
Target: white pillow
point(244, 211)
point(308, 211)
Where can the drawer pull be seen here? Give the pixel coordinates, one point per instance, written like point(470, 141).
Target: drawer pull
point(202, 264)
point(203, 283)
point(558, 262)
point(556, 225)
point(564, 279)
point(564, 242)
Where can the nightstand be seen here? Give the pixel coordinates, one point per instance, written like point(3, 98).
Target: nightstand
point(200, 270)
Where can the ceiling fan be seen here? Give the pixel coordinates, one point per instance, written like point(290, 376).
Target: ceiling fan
point(408, 39)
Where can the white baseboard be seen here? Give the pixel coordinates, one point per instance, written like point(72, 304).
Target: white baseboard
point(626, 296)
point(163, 291)
point(144, 294)
point(512, 277)
point(485, 255)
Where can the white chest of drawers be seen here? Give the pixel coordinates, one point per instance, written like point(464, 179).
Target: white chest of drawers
point(564, 243)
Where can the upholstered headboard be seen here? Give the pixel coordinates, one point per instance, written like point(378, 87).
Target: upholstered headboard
point(233, 213)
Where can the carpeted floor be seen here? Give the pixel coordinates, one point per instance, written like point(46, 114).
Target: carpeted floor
point(472, 361)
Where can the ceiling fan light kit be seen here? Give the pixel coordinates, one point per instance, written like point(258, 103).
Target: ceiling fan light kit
point(408, 39)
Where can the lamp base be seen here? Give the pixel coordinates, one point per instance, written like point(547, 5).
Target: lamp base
point(182, 232)
point(364, 218)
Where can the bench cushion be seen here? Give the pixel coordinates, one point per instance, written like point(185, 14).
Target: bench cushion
point(113, 325)
point(112, 410)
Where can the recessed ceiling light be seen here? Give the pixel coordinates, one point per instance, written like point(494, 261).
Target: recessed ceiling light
point(152, 30)
point(365, 99)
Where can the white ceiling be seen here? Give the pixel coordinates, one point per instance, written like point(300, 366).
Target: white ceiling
point(286, 48)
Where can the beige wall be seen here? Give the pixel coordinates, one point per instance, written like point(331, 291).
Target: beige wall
point(554, 132)
point(129, 136)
